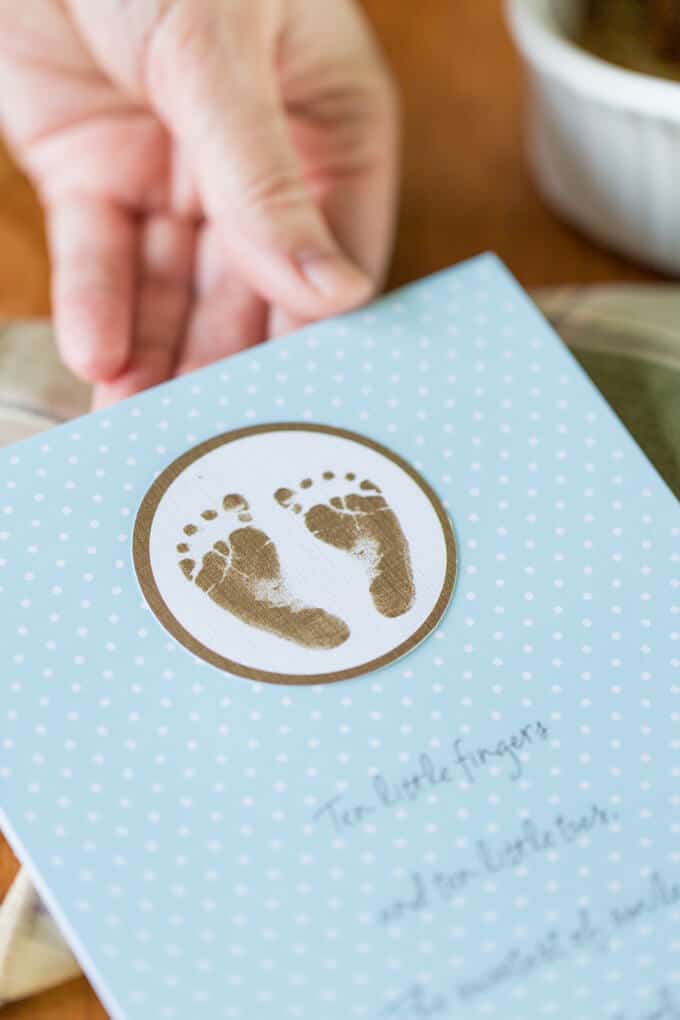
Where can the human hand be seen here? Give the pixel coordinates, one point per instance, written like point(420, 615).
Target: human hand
point(213, 172)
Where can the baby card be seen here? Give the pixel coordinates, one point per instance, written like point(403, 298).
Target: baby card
point(339, 680)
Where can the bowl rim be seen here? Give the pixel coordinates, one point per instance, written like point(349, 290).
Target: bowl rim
point(550, 50)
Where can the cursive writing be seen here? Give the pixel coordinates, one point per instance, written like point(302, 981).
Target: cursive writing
point(463, 766)
point(659, 895)
point(554, 946)
point(491, 858)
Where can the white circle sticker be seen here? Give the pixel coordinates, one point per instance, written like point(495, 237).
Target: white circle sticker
point(294, 553)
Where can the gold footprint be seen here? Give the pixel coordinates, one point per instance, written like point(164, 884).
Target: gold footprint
point(242, 574)
point(363, 524)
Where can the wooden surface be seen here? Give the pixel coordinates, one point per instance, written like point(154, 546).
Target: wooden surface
point(466, 190)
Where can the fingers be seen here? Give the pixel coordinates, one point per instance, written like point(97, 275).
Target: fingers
point(211, 74)
point(164, 288)
point(361, 201)
point(290, 130)
point(348, 135)
point(358, 186)
point(227, 315)
point(92, 244)
point(224, 322)
point(282, 323)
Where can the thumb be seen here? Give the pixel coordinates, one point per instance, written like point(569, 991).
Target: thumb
point(214, 84)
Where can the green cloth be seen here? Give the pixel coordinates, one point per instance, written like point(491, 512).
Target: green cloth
point(628, 341)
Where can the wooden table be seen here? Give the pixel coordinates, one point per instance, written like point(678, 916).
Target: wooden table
point(466, 189)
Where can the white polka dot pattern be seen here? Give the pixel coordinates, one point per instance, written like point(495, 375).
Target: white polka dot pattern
point(489, 827)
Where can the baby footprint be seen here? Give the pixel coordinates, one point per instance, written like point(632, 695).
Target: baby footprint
point(363, 524)
point(241, 573)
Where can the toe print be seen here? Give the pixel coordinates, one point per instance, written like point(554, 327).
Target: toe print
point(240, 571)
point(362, 524)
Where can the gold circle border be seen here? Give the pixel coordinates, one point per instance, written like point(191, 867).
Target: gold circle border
point(147, 581)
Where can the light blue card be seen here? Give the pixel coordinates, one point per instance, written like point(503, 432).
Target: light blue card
point(339, 680)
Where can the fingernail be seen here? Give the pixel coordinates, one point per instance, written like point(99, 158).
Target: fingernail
point(335, 277)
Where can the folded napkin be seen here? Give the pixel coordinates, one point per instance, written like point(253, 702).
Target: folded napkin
point(626, 338)
point(33, 955)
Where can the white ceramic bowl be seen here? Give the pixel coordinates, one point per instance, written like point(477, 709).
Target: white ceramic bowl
point(604, 143)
